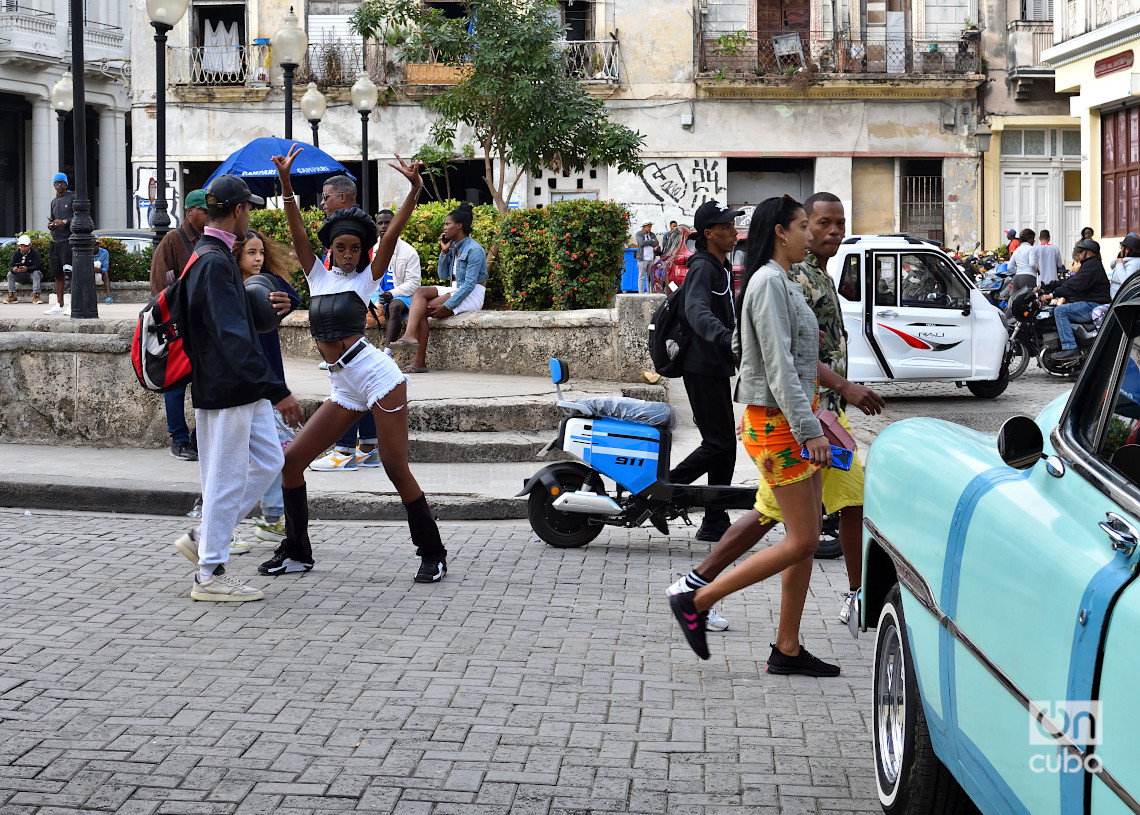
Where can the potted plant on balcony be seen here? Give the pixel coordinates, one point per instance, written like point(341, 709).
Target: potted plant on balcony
point(970, 31)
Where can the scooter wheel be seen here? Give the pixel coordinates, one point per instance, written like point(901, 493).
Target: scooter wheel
point(563, 530)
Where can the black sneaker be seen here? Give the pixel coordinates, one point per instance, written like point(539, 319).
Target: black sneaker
point(692, 622)
point(431, 571)
point(281, 563)
point(713, 527)
point(829, 549)
point(803, 663)
point(184, 451)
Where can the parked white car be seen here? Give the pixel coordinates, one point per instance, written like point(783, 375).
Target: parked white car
point(912, 314)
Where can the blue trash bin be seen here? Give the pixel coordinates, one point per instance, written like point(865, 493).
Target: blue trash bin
point(629, 272)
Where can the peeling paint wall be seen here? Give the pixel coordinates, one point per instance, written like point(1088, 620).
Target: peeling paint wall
point(873, 208)
point(960, 194)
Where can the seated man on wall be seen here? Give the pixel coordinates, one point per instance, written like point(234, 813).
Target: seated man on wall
point(26, 269)
point(401, 280)
point(464, 262)
point(103, 269)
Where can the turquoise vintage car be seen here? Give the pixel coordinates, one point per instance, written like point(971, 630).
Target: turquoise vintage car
point(1001, 575)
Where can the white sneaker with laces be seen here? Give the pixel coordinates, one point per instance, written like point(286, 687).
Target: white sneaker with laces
point(369, 459)
point(715, 622)
point(335, 461)
point(238, 546)
point(56, 309)
point(847, 604)
point(223, 588)
point(271, 531)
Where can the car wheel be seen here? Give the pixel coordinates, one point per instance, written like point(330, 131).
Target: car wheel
point(990, 389)
point(910, 778)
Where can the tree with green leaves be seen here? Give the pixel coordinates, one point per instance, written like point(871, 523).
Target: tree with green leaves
point(516, 97)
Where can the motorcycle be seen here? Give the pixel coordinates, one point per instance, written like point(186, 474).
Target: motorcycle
point(626, 441)
point(1035, 334)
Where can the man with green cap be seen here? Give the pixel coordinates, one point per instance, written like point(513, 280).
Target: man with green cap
point(169, 259)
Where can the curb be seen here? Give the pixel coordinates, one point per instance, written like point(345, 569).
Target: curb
point(89, 496)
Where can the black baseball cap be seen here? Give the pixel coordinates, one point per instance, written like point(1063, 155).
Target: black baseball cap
point(1089, 245)
point(710, 213)
point(228, 191)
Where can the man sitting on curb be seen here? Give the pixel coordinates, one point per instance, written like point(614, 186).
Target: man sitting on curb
point(27, 269)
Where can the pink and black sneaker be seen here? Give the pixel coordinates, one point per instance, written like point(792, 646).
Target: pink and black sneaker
point(692, 622)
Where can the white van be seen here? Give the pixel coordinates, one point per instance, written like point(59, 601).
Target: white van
point(912, 314)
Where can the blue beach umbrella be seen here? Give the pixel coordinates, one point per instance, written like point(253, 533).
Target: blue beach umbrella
point(252, 162)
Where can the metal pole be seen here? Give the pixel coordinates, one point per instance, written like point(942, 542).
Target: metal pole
point(61, 116)
point(315, 124)
point(82, 241)
point(288, 100)
point(364, 114)
point(161, 214)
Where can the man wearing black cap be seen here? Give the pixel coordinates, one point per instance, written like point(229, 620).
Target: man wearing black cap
point(1083, 292)
point(709, 363)
point(233, 388)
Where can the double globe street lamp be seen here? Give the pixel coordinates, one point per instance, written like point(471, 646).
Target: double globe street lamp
point(164, 15)
point(364, 94)
point(289, 45)
point(313, 105)
point(62, 99)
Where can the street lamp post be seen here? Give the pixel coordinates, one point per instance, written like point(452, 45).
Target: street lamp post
point(982, 138)
point(364, 94)
point(290, 45)
point(82, 241)
point(62, 99)
point(164, 15)
point(313, 106)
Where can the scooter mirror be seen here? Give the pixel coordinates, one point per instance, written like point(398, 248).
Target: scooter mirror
point(559, 371)
point(1020, 442)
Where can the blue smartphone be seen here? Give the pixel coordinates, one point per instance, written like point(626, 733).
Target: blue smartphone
point(840, 457)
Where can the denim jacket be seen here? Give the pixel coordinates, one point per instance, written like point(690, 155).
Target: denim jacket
point(777, 339)
point(466, 264)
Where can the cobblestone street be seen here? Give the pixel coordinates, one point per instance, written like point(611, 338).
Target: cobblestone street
point(532, 680)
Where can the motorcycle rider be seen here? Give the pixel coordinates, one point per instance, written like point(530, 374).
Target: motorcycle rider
point(1083, 292)
point(1127, 264)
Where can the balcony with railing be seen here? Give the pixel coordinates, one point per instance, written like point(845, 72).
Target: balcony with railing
point(218, 66)
point(810, 55)
point(1027, 39)
point(30, 35)
point(592, 61)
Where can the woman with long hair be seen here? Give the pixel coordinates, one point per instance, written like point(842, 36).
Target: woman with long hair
point(363, 378)
point(777, 340)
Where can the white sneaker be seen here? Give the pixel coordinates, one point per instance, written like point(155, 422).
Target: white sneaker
point(715, 622)
point(188, 547)
point(56, 309)
point(238, 546)
point(847, 605)
point(369, 459)
point(335, 461)
point(222, 588)
point(271, 532)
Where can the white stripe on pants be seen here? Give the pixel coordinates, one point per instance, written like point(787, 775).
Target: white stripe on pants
point(226, 437)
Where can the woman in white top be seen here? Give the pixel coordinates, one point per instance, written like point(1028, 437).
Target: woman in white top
point(1023, 262)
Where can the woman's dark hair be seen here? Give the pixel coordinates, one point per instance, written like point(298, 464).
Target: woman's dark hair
point(1088, 229)
point(276, 259)
point(762, 236)
point(353, 221)
point(1027, 236)
point(463, 215)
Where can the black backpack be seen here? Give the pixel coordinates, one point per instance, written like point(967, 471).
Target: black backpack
point(669, 335)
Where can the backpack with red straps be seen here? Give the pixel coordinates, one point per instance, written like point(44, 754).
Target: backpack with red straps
point(157, 350)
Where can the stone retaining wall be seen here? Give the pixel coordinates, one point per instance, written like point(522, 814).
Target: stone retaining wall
point(131, 292)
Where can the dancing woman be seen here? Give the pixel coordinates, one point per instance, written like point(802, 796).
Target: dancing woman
point(363, 378)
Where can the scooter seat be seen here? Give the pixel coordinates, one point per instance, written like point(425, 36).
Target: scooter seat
point(655, 414)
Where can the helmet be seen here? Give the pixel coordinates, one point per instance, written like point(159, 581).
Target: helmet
point(1023, 305)
point(257, 290)
point(1132, 242)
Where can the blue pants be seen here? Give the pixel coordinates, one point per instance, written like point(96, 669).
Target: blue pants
point(365, 426)
point(176, 415)
point(1080, 312)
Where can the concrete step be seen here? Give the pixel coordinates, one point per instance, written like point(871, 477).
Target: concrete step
point(426, 446)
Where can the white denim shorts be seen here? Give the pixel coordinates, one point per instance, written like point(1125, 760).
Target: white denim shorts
point(366, 380)
point(472, 302)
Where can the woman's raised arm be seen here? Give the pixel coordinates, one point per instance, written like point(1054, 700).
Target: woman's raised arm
point(388, 244)
point(301, 245)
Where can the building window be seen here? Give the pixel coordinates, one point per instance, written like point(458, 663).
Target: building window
point(921, 199)
point(1040, 143)
point(1037, 10)
point(1120, 172)
point(1071, 143)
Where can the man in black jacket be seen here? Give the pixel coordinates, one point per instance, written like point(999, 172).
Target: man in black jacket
point(709, 364)
point(1083, 292)
point(233, 388)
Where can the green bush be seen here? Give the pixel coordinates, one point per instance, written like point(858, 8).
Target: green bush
point(423, 231)
point(524, 260)
point(588, 241)
point(272, 222)
point(125, 266)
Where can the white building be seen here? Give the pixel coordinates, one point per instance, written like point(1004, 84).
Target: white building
point(35, 48)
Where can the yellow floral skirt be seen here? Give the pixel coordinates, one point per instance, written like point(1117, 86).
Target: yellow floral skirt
point(769, 442)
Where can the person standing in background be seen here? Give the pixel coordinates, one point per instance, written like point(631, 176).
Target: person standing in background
point(672, 238)
point(648, 248)
point(59, 225)
point(1048, 256)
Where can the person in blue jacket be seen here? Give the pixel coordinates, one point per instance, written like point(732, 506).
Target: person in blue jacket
point(464, 263)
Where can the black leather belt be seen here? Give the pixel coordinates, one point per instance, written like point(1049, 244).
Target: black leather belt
point(348, 356)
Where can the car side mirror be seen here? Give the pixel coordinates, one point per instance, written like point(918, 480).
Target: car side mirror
point(1020, 442)
point(966, 309)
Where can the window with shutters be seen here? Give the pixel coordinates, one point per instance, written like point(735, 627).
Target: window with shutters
point(1037, 10)
point(1120, 172)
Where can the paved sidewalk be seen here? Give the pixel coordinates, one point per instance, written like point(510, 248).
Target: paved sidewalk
point(531, 680)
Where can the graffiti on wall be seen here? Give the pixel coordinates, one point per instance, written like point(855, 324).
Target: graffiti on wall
point(144, 206)
point(684, 185)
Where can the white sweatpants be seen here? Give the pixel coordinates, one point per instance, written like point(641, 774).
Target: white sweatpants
point(239, 456)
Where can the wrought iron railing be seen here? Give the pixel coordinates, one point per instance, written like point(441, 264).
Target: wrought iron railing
point(776, 53)
point(1027, 39)
point(336, 64)
point(217, 65)
point(592, 60)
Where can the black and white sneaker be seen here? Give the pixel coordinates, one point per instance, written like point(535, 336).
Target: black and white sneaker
point(184, 450)
point(281, 563)
point(431, 571)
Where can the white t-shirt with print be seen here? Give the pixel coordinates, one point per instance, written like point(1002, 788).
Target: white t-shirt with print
point(334, 280)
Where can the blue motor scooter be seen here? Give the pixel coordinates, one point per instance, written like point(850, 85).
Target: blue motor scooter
point(623, 440)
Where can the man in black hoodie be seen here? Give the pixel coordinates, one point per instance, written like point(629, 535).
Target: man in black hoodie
point(233, 388)
point(1083, 292)
point(709, 364)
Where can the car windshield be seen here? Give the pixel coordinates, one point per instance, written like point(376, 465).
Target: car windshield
point(929, 281)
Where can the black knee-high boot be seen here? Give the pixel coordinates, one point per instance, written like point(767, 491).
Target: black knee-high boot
point(296, 544)
point(425, 534)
